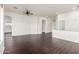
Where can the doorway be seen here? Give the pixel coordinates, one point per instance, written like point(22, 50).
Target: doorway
point(43, 26)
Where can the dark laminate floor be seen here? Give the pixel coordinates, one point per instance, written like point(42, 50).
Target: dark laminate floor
point(39, 44)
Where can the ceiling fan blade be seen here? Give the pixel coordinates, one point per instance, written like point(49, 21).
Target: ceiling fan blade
point(31, 13)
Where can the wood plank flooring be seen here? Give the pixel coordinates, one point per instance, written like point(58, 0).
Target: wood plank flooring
point(39, 44)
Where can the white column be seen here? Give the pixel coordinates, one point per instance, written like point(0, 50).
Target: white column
point(1, 30)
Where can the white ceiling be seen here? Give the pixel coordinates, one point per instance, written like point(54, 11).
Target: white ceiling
point(40, 9)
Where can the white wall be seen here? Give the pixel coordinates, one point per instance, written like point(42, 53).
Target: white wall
point(0, 24)
point(1, 31)
point(66, 35)
point(71, 25)
point(59, 20)
point(71, 20)
point(23, 24)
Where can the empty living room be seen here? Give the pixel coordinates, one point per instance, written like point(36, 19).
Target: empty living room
point(40, 29)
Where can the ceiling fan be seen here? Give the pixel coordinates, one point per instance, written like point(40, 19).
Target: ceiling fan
point(28, 12)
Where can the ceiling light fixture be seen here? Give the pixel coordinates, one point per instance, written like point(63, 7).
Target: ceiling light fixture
point(28, 12)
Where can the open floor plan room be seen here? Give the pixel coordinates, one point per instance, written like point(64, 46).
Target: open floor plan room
point(40, 29)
